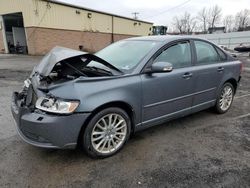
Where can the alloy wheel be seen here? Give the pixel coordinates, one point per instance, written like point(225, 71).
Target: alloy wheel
point(109, 133)
point(226, 98)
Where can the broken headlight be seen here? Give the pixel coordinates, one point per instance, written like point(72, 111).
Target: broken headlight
point(54, 105)
point(26, 83)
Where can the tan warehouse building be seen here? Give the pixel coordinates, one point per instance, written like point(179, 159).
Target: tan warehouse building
point(36, 26)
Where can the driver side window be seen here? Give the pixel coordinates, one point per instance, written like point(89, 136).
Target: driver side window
point(179, 55)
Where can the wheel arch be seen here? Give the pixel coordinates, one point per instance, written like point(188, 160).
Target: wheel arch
point(119, 104)
point(233, 82)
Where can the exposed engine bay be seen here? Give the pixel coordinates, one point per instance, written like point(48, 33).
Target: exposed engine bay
point(62, 64)
point(75, 67)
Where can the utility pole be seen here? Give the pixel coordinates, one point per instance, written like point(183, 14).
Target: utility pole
point(135, 15)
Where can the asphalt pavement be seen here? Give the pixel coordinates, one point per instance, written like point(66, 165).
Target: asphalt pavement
point(201, 150)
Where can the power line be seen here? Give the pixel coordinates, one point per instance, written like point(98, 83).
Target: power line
point(170, 9)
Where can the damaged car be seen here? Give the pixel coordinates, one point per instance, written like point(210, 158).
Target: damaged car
point(97, 101)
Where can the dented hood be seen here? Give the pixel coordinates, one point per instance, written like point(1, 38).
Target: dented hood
point(56, 55)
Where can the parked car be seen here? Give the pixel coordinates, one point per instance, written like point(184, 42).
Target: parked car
point(97, 101)
point(242, 48)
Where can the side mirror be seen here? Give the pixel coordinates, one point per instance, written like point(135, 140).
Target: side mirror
point(160, 67)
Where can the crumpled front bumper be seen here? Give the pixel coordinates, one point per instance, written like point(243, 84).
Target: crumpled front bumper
point(46, 130)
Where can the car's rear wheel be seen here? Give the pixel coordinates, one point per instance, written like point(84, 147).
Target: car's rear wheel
point(225, 98)
point(106, 133)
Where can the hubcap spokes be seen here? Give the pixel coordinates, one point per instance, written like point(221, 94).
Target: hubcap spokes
point(226, 98)
point(109, 133)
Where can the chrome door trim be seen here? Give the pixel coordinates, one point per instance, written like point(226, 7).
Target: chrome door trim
point(185, 109)
point(178, 98)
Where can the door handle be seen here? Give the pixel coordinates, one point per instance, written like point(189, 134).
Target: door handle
point(220, 69)
point(187, 75)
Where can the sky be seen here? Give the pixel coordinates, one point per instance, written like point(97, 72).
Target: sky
point(160, 12)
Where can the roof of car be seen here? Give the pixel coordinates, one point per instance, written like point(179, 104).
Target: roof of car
point(165, 38)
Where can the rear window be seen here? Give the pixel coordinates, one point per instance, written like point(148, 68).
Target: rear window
point(206, 53)
point(222, 55)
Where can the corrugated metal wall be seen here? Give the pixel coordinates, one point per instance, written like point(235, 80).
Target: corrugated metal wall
point(39, 13)
point(230, 40)
point(14, 6)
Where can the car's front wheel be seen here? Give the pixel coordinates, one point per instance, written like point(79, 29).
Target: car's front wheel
point(225, 98)
point(106, 133)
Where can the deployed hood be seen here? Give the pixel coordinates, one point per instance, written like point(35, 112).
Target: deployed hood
point(58, 54)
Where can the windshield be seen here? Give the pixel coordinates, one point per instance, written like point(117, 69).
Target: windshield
point(125, 55)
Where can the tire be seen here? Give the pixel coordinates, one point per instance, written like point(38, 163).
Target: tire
point(106, 133)
point(227, 100)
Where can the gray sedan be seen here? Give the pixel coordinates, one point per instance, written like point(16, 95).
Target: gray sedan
point(97, 101)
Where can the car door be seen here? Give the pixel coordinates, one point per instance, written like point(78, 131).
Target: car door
point(208, 74)
point(166, 95)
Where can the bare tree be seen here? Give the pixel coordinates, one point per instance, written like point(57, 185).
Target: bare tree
point(178, 24)
point(203, 18)
point(185, 24)
point(228, 22)
point(242, 19)
point(191, 23)
point(214, 15)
